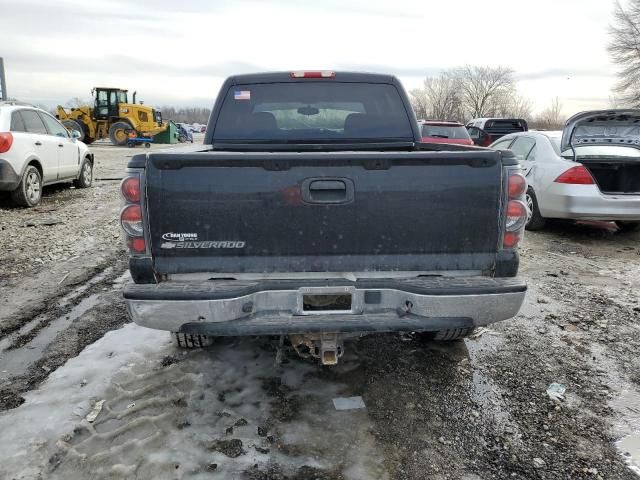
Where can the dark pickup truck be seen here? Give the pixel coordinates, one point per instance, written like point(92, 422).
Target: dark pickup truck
point(313, 210)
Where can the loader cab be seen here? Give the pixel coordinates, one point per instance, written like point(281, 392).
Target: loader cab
point(107, 102)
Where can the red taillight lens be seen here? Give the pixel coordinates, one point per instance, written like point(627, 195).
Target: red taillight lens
point(517, 185)
point(137, 244)
point(131, 220)
point(319, 74)
point(577, 175)
point(130, 189)
point(6, 140)
point(511, 239)
point(516, 215)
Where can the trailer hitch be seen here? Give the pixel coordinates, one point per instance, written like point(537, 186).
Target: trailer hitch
point(327, 347)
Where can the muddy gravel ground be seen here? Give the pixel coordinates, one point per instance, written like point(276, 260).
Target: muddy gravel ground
point(86, 394)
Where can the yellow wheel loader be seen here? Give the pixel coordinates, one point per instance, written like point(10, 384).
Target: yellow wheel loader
point(113, 117)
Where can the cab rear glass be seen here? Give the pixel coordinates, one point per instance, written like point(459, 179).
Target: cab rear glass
point(323, 111)
point(445, 131)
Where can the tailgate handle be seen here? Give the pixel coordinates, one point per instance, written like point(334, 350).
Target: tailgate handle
point(334, 190)
point(335, 185)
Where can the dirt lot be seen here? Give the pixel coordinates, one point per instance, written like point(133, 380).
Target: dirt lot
point(477, 409)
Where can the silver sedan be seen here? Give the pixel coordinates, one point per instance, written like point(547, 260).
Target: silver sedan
point(601, 181)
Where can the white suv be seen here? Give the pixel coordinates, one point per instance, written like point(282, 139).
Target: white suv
point(37, 150)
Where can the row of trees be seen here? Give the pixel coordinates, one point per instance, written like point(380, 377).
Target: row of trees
point(186, 115)
point(474, 91)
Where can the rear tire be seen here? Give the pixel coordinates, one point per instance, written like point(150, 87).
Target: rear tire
point(29, 191)
point(118, 133)
point(535, 221)
point(185, 340)
point(448, 335)
point(628, 227)
point(85, 179)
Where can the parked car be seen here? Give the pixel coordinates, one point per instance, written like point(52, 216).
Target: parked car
point(184, 135)
point(601, 181)
point(313, 211)
point(436, 131)
point(484, 131)
point(37, 150)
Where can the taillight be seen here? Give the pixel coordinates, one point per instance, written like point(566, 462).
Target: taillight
point(517, 185)
point(131, 215)
point(319, 74)
point(130, 188)
point(131, 220)
point(6, 140)
point(516, 212)
point(577, 175)
point(516, 216)
point(136, 244)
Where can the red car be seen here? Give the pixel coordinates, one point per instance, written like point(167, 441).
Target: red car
point(436, 131)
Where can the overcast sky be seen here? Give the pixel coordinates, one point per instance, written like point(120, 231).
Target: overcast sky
point(177, 52)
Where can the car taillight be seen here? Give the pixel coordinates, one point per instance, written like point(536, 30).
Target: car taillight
point(517, 185)
point(516, 212)
point(6, 140)
point(136, 244)
point(131, 220)
point(131, 217)
point(319, 74)
point(577, 175)
point(516, 216)
point(130, 188)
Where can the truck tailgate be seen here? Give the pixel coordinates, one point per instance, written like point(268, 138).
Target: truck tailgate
point(324, 212)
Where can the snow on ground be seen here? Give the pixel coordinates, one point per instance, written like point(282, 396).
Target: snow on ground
point(168, 414)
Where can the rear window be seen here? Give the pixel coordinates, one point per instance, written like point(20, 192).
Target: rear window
point(445, 131)
point(312, 112)
point(17, 125)
point(505, 126)
point(33, 122)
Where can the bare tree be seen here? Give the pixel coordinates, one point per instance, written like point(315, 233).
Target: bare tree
point(482, 89)
point(513, 105)
point(551, 118)
point(438, 99)
point(420, 103)
point(624, 49)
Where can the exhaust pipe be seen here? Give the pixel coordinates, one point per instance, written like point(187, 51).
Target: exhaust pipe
point(134, 97)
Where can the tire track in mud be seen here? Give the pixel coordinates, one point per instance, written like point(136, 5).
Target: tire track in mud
point(37, 363)
point(224, 412)
point(115, 262)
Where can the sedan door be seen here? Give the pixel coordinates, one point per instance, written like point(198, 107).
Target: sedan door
point(68, 153)
point(45, 146)
point(524, 148)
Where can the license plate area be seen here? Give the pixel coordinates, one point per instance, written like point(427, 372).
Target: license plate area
point(327, 301)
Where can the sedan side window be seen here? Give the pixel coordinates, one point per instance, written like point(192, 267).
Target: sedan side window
point(33, 122)
point(54, 127)
point(503, 144)
point(17, 125)
point(522, 147)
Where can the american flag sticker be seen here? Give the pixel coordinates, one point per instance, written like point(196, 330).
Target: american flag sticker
point(242, 95)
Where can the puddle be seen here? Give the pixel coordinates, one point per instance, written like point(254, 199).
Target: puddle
point(16, 361)
point(628, 406)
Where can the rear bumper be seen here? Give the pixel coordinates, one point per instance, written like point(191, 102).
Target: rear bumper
point(230, 308)
point(586, 202)
point(9, 179)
